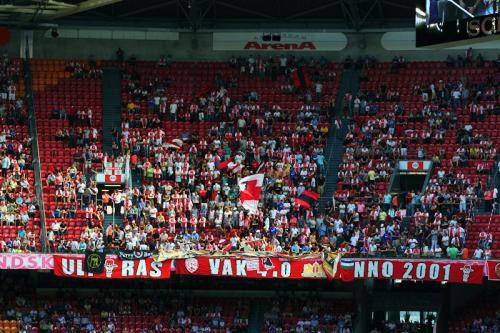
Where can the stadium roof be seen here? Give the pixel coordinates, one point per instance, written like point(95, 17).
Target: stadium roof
point(214, 14)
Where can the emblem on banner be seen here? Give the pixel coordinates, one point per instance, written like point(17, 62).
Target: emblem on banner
point(191, 265)
point(497, 270)
point(313, 271)
point(466, 270)
point(267, 263)
point(109, 266)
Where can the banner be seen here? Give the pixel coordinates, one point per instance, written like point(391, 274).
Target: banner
point(26, 261)
point(134, 255)
point(252, 267)
point(114, 268)
point(412, 269)
point(94, 262)
point(493, 270)
point(282, 42)
point(414, 165)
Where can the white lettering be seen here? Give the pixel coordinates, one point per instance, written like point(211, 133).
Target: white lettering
point(155, 269)
point(241, 268)
point(79, 268)
point(387, 269)
point(359, 269)
point(446, 276)
point(214, 266)
point(68, 266)
point(227, 268)
point(286, 269)
point(127, 268)
point(142, 269)
point(434, 271)
point(407, 275)
point(420, 272)
point(373, 269)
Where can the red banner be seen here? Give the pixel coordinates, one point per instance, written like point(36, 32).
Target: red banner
point(494, 270)
point(114, 268)
point(252, 267)
point(412, 269)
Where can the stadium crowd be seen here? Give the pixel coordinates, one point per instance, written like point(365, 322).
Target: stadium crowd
point(304, 315)
point(18, 206)
point(109, 311)
point(189, 194)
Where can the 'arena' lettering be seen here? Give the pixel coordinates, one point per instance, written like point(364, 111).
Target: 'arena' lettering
point(280, 46)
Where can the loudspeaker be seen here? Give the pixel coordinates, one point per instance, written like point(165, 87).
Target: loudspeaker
point(266, 37)
point(276, 37)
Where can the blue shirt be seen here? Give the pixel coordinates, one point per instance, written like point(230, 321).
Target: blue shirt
point(320, 159)
point(322, 230)
point(387, 198)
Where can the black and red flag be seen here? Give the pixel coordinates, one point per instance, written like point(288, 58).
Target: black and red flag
point(307, 199)
point(301, 78)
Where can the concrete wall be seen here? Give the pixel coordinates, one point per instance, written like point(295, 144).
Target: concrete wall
point(198, 46)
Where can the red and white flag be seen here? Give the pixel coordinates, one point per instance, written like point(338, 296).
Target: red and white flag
point(231, 165)
point(112, 178)
point(415, 165)
point(175, 143)
point(250, 188)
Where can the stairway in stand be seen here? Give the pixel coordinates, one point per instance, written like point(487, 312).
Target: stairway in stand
point(335, 144)
point(111, 118)
point(111, 106)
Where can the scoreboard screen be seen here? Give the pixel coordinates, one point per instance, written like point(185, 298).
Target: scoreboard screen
point(445, 21)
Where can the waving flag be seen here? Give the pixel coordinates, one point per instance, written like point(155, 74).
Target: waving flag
point(307, 199)
point(250, 188)
point(174, 144)
point(230, 165)
point(330, 263)
point(347, 270)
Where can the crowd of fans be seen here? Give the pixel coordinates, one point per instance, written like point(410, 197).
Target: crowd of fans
point(109, 311)
point(18, 206)
point(484, 318)
point(189, 194)
point(386, 127)
point(303, 315)
point(187, 200)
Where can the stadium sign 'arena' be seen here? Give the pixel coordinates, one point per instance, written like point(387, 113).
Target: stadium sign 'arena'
point(280, 46)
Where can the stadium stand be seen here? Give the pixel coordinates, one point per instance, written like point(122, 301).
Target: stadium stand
point(68, 107)
point(119, 311)
point(244, 127)
point(419, 110)
point(303, 315)
point(19, 219)
point(258, 166)
point(485, 317)
point(481, 234)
